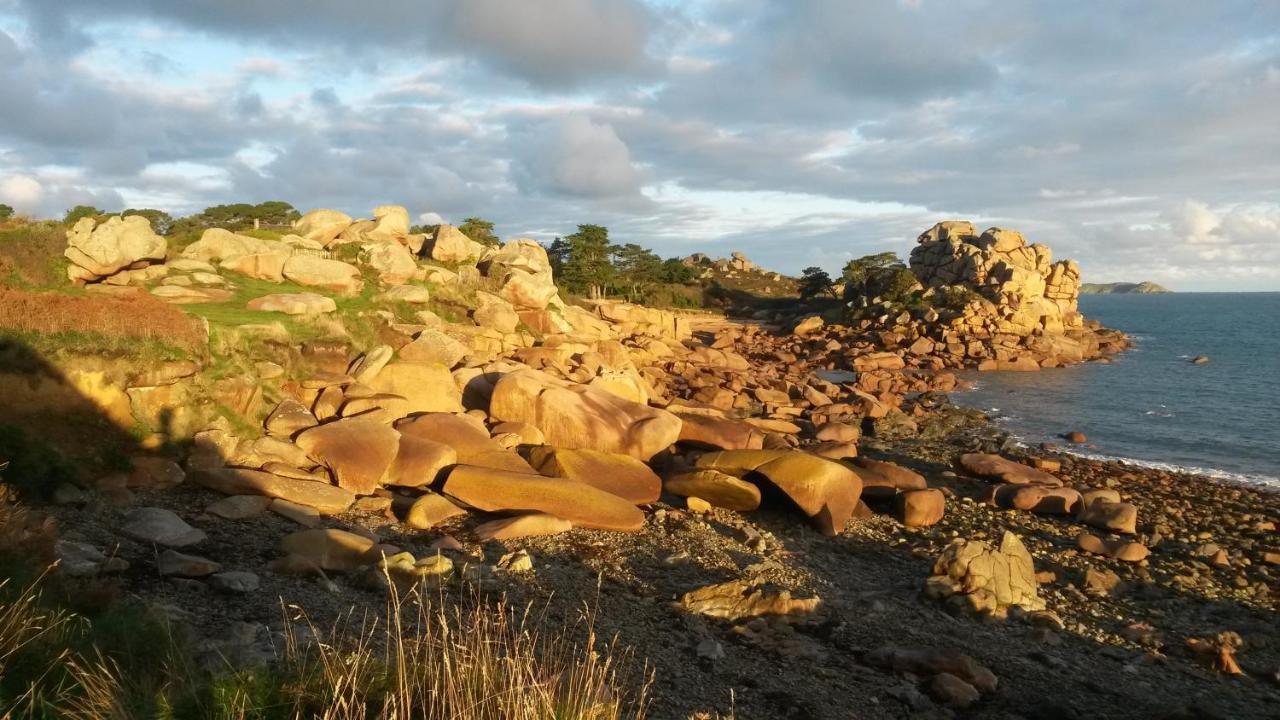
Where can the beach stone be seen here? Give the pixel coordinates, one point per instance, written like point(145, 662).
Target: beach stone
point(531, 525)
point(620, 475)
point(326, 498)
point(975, 576)
point(1125, 551)
point(927, 662)
point(710, 431)
point(1100, 582)
point(882, 480)
point(160, 526)
point(583, 505)
point(717, 488)
point(697, 505)
point(995, 467)
point(577, 416)
point(950, 691)
point(1114, 516)
point(234, 581)
point(289, 418)
point(839, 432)
point(430, 510)
point(175, 564)
point(1089, 496)
point(1075, 436)
point(294, 303)
point(835, 450)
point(921, 508)
point(739, 600)
point(239, 507)
point(358, 452)
point(419, 461)
point(304, 515)
point(325, 549)
point(78, 559)
point(427, 387)
point(824, 490)
point(528, 434)
point(468, 438)
point(433, 346)
point(1038, 499)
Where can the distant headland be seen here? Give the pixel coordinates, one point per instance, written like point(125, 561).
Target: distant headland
point(1142, 288)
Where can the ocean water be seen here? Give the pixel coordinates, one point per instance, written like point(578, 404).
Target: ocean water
point(1151, 405)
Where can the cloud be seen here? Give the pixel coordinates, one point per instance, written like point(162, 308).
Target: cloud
point(577, 156)
point(548, 43)
point(802, 131)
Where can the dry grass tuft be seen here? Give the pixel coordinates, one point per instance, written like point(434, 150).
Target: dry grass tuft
point(141, 317)
point(426, 661)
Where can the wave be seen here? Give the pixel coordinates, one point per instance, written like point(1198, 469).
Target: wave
point(1256, 479)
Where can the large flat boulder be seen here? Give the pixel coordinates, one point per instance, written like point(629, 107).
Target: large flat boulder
point(995, 467)
point(322, 225)
point(826, 491)
point(620, 475)
point(293, 303)
point(708, 430)
point(419, 461)
point(578, 416)
point(580, 504)
point(358, 452)
point(468, 439)
point(328, 499)
point(333, 275)
point(719, 489)
point(883, 480)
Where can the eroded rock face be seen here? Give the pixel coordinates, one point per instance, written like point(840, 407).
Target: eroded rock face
point(322, 225)
point(577, 416)
point(580, 504)
point(98, 251)
point(1025, 290)
point(452, 246)
point(824, 490)
point(976, 576)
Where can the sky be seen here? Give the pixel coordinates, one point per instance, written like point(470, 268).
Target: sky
point(1140, 138)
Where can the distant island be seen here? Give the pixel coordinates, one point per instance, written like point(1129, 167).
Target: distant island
point(1142, 288)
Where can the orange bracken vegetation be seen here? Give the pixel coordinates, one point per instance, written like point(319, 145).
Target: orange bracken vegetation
point(138, 316)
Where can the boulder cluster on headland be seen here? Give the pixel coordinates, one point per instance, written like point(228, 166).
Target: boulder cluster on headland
point(763, 503)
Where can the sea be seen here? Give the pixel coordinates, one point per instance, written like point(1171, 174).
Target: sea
point(1151, 406)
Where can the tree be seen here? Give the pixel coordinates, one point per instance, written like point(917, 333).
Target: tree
point(6, 211)
point(81, 211)
point(879, 275)
point(238, 216)
point(815, 281)
point(675, 271)
point(161, 221)
point(479, 230)
point(582, 260)
point(637, 268)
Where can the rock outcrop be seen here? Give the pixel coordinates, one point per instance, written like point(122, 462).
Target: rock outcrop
point(99, 251)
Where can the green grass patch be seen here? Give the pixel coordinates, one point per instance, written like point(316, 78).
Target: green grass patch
point(71, 343)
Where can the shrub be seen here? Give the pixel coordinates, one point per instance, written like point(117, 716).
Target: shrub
point(139, 317)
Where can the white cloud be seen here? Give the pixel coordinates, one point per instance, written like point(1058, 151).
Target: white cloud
point(22, 193)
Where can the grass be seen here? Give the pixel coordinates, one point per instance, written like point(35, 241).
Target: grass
point(31, 254)
point(421, 659)
point(111, 325)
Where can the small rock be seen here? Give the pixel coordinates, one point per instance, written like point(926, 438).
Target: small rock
point(237, 581)
point(951, 691)
point(160, 526)
point(176, 564)
point(516, 562)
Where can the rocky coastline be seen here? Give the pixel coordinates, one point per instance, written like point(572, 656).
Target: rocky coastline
point(783, 514)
